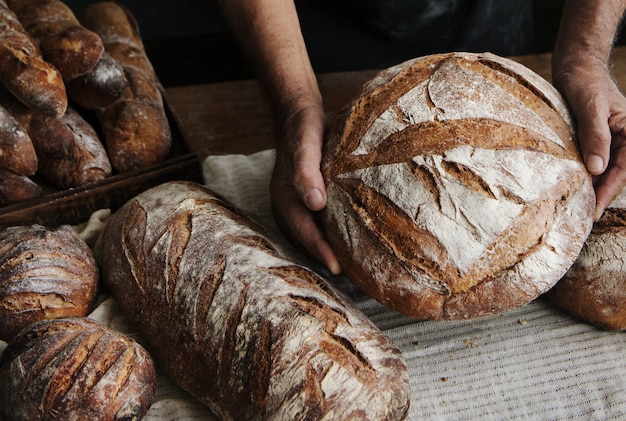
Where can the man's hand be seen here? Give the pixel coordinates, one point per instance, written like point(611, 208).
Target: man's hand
point(297, 187)
point(580, 70)
point(600, 112)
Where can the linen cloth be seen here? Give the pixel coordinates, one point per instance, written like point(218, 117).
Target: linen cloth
point(535, 362)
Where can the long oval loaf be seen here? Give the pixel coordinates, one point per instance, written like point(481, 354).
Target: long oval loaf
point(136, 130)
point(233, 321)
point(69, 149)
point(75, 369)
point(455, 187)
point(24, 72)
point(70, 47)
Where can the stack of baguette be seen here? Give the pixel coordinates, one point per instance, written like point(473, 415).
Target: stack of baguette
point(55, 73)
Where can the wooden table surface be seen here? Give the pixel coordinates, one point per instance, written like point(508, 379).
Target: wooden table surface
point(235, 117)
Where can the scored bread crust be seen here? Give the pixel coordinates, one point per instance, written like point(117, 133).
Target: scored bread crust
point(455, 187)
point(75, 369)
point(256, 335)
point(45, 273)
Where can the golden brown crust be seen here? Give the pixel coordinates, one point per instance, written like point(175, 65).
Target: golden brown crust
point(75, 368)
point(431, 209)
point(65, 43)
point(23, 71)
point(259, 336)
point(44, 274)
point(136, 129)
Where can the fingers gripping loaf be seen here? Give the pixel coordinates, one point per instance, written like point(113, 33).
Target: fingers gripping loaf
point(455, 187)
point(65, 43)
point(23, 71)
point(258, 336)
point(136, 130)
point(594, 288)
point(44, 274)
point(75, 369)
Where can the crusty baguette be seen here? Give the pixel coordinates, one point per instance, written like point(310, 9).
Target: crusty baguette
point(65, 43)
point(16, 188)
point(75, 369)
point(17, 153)
point(23, 71)
point(70, 152)
point(257, 336)
point(136, 130)
point(45, 273)
point(455, 187)
point(100, 87)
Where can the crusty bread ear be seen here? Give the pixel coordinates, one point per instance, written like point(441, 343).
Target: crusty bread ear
point(455, 187)
point(257, 336)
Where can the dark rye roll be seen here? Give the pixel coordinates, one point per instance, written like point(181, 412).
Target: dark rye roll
point(455, 187)
point(258, 337)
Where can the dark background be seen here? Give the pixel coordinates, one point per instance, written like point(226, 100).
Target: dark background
point(189, 42)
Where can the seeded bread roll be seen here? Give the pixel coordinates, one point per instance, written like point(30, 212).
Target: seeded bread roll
point(16, 188)
point(136, 130)
point(33, 81)
point(44, 274)
point(69, 149)
point(75, 369)
point(65, 43)
point(455, 187)
point(594, 288)
point(258, 337)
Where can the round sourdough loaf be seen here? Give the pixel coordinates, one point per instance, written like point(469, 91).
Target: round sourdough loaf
point(45, 273)
point(75, 369)
point(594, 288)
point(455, 187)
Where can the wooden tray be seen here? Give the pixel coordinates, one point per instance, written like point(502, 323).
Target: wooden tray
point(74, 206)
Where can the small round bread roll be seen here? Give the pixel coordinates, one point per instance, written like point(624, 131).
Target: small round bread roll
point(44, 274)
point(455, 187)
point(75, 369)
point(594, 288)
